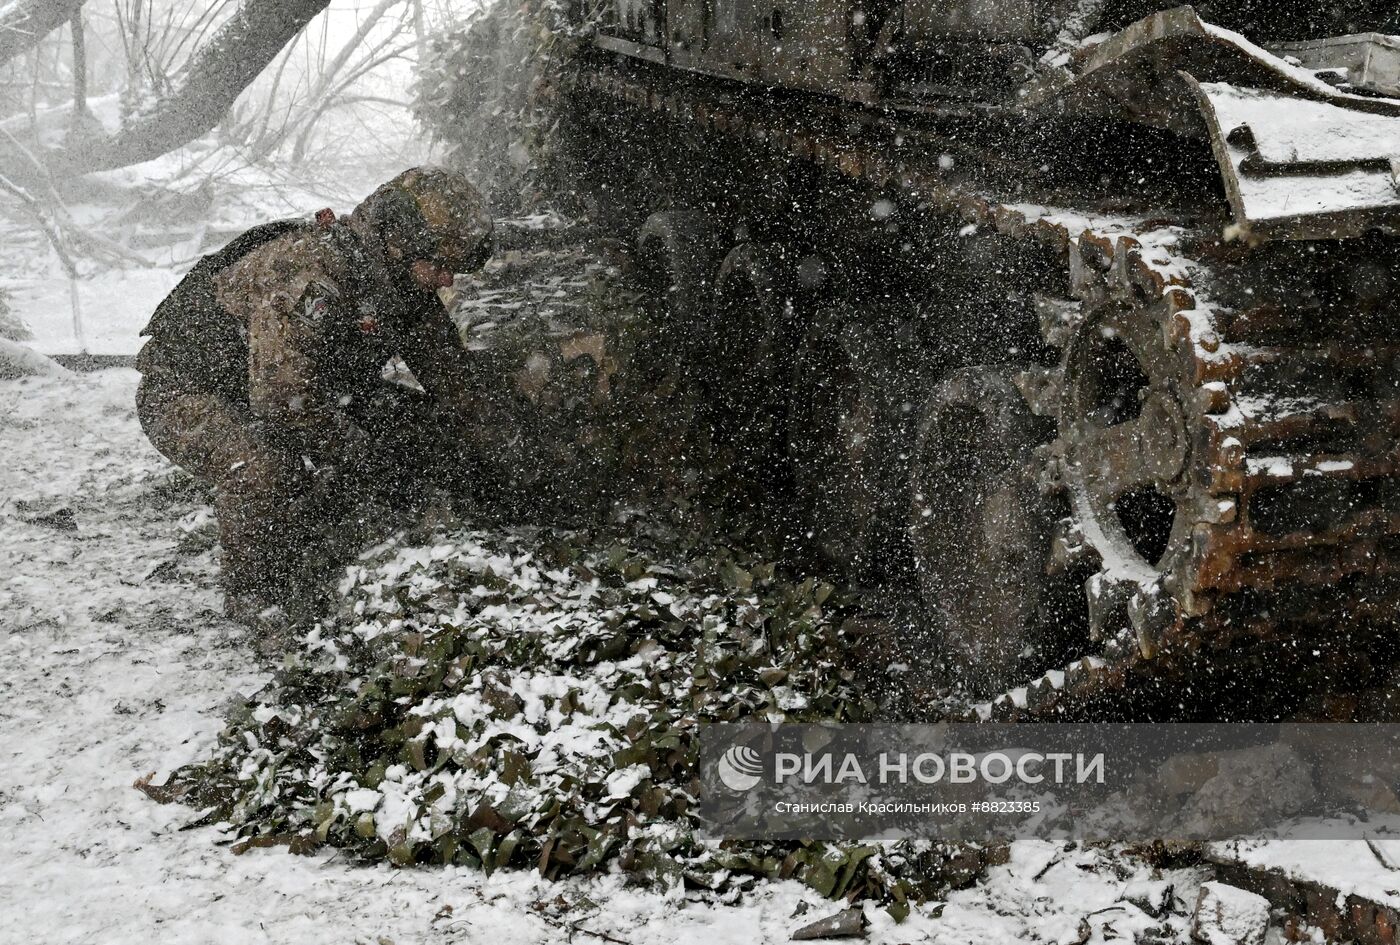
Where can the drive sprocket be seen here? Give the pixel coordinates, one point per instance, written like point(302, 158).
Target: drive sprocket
point(1203, 473)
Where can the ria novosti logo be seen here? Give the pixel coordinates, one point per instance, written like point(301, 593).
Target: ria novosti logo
point(740, 768)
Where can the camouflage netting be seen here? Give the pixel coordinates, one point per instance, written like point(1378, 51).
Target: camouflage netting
point(483, 93)
point(531, 699)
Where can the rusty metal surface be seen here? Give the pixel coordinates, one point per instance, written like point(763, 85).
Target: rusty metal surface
point(1299, 158)
point(1300, 168)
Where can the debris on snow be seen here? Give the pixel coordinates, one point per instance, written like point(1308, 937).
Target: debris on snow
point(849, 923)
point(1152, 896)
point(1228, 915)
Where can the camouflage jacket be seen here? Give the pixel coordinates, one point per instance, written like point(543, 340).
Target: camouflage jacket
point(321, 322)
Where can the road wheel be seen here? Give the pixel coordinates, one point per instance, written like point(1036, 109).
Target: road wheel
point(747, 366)
point(981, 529)
point(839, 441)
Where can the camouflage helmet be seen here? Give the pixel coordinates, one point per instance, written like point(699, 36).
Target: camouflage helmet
point(430, 213)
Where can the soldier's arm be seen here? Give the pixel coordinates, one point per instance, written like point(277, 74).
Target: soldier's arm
point(432, 348)
point(289, 300)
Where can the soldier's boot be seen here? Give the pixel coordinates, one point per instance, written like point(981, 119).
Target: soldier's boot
point(217, 440)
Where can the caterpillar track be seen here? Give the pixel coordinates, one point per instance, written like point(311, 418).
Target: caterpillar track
point(1278, 459)
point(1216, 398)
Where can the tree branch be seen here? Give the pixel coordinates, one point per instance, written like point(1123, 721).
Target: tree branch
point(216, 75)
point(23, 23)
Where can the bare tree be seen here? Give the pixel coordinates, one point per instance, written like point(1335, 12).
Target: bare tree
point(332, 84)
point(216, 74)
point(298, 112)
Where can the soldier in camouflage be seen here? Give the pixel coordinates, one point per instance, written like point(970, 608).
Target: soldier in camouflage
point(265, 377)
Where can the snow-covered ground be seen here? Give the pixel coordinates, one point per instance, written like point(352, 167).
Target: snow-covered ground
point(117, 664)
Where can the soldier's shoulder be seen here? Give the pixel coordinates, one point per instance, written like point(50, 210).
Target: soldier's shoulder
point(297, 251)
point(290, 261)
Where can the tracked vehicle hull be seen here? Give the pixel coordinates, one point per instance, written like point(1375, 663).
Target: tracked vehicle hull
point(1175, 248)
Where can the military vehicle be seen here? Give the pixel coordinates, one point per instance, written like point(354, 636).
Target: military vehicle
point(1080, 317)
